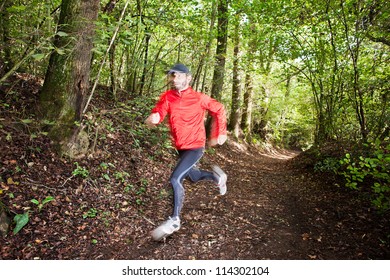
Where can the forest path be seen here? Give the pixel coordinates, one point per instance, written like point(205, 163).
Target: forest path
point(249, 222)
point(260, 217)
point(271, 211)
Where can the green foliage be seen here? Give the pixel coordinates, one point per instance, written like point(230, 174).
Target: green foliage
point(106, 177)
point(80, 171)
point(105, 165)
point(21, 220)
point(121, 176)
point(41, 204)
point(329, 164)
point(91, 213)
point(373, 169)
point(300, 59)
point(128, 188)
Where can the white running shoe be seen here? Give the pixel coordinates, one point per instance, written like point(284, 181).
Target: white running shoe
point(222, 179)
point(166, 228)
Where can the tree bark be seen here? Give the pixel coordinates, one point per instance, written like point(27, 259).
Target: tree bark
point(219, 69)
point(234, 123)
point(5, 29)
point(246, 118)
point(220, 56)
point(246, 121)
point(67, 78)
point(199, 83)
point(110, 6)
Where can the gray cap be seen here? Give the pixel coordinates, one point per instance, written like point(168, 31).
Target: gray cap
point(179, 68)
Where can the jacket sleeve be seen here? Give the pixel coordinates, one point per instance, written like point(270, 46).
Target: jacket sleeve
point(161, 107)
point(218, 114)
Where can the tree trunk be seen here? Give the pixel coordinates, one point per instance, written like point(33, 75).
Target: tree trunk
point(220, 56)
point(110, 6)
point(246, 121)
point(145, 62)
point(234, 123)
point(197, 77)
point(219, 70)
point(246, 118)
point(5, 29)
point(113, 86)
point(5, 220)
point(354, 50)
point(67, 78)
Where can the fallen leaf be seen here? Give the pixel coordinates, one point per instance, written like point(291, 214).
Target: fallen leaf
point(10, 181)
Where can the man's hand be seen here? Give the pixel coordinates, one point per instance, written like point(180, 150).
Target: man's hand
point(153, 119)
point(220, 140)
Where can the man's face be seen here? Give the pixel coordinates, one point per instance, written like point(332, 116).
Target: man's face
point(179, 81)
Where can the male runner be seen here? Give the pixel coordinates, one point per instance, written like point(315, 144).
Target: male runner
point(186, 109)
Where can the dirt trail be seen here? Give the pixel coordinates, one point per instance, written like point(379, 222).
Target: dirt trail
point(269, 212)
point(249, 222)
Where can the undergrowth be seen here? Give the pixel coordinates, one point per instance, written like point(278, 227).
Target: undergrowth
point(363, 170)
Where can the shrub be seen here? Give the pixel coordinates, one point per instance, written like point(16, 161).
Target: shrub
point(373, 169)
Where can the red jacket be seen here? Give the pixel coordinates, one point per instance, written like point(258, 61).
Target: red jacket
point(186, 112)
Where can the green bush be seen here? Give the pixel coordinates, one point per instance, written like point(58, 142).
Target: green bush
point(372, 169)
point(329, 164)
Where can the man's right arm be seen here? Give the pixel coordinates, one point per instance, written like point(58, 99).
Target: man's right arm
point(158, 112)
point(153, 119)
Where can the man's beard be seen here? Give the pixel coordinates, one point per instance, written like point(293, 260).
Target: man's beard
point(179, 87)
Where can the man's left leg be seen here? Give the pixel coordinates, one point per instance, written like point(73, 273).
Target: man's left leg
point(188, 159)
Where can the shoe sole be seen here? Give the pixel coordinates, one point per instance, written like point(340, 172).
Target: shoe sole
point(223, 175)
point(159, 233)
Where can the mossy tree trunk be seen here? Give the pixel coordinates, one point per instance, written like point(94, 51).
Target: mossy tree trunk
point(6, 38)
point(67, 78)
point(219, 69)
point(235, 114)
point(221, 53)
point(246, 120)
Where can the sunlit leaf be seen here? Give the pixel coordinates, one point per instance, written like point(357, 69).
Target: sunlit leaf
point(36, 202)
point(21, 220)
point(38, 56)
point(62, 34)
point(14, 9)
point(47, 199)
point(60, 51)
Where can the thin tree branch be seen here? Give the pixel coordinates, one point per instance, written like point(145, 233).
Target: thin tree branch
point(105, 57)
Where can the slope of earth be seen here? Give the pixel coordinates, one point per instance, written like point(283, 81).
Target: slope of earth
point(104, 206)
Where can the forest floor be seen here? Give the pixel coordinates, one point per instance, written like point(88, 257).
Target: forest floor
point(275, 208)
